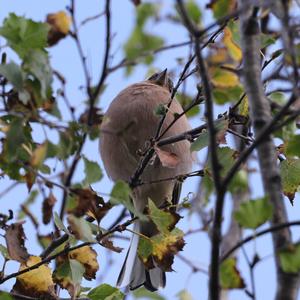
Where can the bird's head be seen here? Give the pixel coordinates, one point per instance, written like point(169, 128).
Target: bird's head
point(162, 79)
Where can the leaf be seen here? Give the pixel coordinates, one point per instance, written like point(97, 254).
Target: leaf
point(36, 63)
point(87, 256)
point(290, 175)
point(15, 238)
point(37, 282)
point(222, 8)
point(222, 95)
point(81, 229)
point(144, 12)
point(186, 100)
point(167, 159)
point(161, 248)
point(47, 208)
point(164, 221)
point(290, 259)
point(5, 296)
point(202, 141)
point(60, 24)
point(230, 276)
point(39, 155)
point(4, 252)
point(292, 146)
point(105, 292)
point(92, 171)
point(23, 34)
point(254, 213)
point(121, 194)
point(224, 79)
point(69, 275)
point(145, 294)
point(233, 48)
point(59, 224)
point(14, 74)
point(193, 11)
point(227, 157)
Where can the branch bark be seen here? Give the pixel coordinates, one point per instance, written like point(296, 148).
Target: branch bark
point(287, 284)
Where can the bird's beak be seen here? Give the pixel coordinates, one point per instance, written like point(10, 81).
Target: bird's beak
point(162, 78)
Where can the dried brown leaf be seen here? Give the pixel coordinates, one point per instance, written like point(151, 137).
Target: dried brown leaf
point(47, 209)
point(15, 238)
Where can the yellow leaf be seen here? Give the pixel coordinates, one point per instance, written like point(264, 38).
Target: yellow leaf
point(37, 282)
point(244, 107)
point(87, 256)
point(39, 155)
point(234, 50)
point(61, 21)
point(218, 56)
point(224, 79)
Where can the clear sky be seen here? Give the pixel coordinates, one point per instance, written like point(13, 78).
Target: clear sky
point(65, 59)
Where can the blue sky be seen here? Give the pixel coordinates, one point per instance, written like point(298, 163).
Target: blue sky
point(65, 59)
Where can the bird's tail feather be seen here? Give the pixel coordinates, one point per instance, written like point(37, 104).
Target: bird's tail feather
point(134, 274)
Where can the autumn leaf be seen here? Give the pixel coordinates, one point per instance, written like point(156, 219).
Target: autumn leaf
point(47, 209)
point(87, 256)
point(167, 159)
point(223, 78)
point(60, 24)
point(37, 282)
point(233, 48)
point(15, 238)
point(161, 249)
point(38, 155)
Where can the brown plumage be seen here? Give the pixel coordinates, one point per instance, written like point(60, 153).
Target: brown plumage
point(129, 123)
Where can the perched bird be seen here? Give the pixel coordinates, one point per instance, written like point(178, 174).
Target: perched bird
point(129, 123)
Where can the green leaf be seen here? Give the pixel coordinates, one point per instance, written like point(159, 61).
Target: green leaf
point(92, 171)
point(222, 8)
point(160, 110)
point(290, 259)
point(186, 100)
point(105, 292)
point(81, 229)
point(254, 213)
point(144, 12)
point(23, 34)
point(121, 194)
point(4, 252)
point(36, 63)
point(230, 276)
point(145, 294)
point(193, 11)
point(290, 175)
point(5, 296)
point(14, 74)
point(225, 95)
point(59, 224)
point(71, 270)
point(293, 146)
point(164, 221)
point(202, 140)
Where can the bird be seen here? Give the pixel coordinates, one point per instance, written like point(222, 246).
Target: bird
point(128, 125)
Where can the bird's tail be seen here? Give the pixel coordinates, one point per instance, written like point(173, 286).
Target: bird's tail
point(134, 274)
